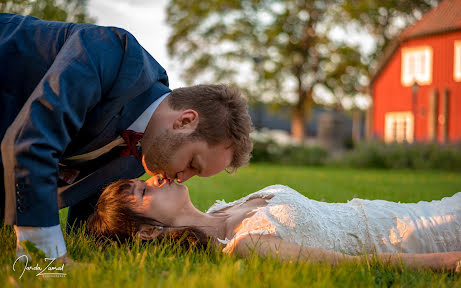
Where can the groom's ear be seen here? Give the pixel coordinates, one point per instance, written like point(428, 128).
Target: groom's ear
point(187, 119)
point(148, 232)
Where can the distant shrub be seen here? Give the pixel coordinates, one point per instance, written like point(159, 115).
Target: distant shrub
point(289, 155)
point(269, 148)
point(402, 155)
point(296, 155)
point(275, 146)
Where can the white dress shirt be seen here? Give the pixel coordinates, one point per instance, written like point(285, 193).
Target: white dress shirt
point(50, 239)
point(140, 124)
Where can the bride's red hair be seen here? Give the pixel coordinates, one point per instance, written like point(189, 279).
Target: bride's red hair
point(115, 218)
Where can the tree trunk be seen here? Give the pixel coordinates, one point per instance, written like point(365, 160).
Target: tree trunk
point(297, 124)
point(298, 115)
point(369, 123)
point(357, 125)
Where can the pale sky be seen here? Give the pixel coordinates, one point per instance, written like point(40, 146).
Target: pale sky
point(145, 19)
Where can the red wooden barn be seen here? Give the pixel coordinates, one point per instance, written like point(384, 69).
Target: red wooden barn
point(417, 85)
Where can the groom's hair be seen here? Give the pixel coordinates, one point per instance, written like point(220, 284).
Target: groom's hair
point(115, 218)
point(223, 116)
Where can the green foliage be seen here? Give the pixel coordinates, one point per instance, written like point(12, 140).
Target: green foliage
point(105, 264)
point(383, 19)
point(371, 154)
point(403, 155)
point(273, 49)
point(57, 10)
point(273, 42)
point(271, 152)
point(270, 49)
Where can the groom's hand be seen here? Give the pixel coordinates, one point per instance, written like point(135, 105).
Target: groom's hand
point(65, 260)
point(70, 264)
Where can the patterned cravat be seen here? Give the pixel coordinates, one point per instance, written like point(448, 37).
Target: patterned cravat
point(131, 139)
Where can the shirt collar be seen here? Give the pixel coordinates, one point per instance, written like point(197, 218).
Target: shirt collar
point(140, 124)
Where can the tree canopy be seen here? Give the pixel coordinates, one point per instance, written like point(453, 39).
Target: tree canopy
point(274, 49)
point(57, 10)
point(271, 49)
point(383, 20)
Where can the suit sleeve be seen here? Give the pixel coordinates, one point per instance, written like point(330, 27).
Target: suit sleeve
point(84, 69)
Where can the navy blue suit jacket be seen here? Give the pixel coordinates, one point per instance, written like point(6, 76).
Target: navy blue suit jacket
point(66, 89)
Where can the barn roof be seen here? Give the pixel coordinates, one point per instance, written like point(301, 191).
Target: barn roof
point(444, 18)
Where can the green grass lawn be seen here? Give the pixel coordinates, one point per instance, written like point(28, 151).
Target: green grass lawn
point(138, 265)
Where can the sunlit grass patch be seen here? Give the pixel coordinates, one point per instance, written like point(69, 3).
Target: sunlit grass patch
point(137, 264)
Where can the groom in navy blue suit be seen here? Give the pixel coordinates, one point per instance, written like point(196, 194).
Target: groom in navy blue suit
point(84, 105)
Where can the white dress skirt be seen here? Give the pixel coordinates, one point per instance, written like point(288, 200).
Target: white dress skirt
point(356, 227)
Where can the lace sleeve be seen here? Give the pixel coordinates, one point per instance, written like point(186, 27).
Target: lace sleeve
point(258, 224)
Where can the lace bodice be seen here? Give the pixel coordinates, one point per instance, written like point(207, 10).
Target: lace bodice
point(355, 227)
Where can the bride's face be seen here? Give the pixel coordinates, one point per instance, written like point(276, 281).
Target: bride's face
point(160, 200)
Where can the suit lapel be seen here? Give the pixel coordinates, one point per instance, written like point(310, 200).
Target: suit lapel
point(92, 138)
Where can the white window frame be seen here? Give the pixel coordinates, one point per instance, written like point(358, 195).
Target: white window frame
point(416, 65)
point(457, 61)
point(398, 127)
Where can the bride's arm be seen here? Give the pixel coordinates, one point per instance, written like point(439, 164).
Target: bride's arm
point(266, 245)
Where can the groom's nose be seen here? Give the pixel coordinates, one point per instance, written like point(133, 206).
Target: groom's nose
point(185, 175)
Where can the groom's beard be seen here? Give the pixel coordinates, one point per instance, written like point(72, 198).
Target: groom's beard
point(163, 149)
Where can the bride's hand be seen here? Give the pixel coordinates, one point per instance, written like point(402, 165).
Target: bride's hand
point(453, 261)
point(450, 261)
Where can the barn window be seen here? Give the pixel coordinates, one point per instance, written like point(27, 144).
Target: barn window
point(457, 68)
point(416, 65)
point(398, 127)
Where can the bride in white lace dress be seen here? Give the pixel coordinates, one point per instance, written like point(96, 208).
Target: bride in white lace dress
point(280, 221)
